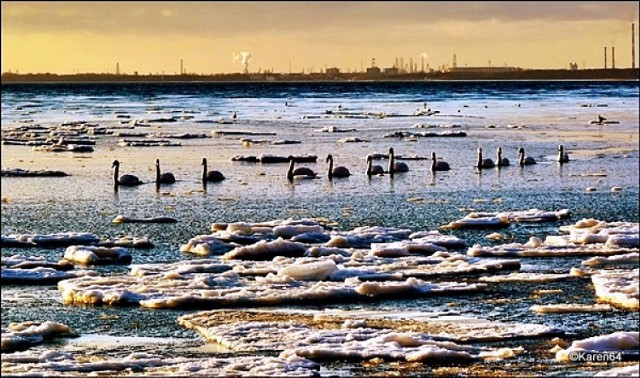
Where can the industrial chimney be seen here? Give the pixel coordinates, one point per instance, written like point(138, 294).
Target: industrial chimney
point(633, 45)
point(613, 57)
point(605, 57)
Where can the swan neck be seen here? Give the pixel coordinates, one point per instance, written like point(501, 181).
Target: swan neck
point(290, 172)
point(204, 170)
point(330, 173)
point(115, 174)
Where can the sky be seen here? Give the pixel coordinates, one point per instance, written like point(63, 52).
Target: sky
point(309, 36)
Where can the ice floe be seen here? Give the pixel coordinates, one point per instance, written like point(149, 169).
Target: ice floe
point(622, 342)
point(547, 248)
point(19, 336)
point(94, 255)
point(527, 277)
point(618, 287)
point(359, 335)
point(487, 220)
point(570, 307)
point(66, 239)
point(228, 289)
point(618, 260)
point(61, 363)
point(615, 234)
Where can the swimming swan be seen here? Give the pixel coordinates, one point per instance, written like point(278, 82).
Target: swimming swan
point(563, 157)
point(339, 171)
point(373, 169)
point(502, 161)
point(396, 166)
point(163, 178)
point(124, 180)
point(300, 172)
point(210, 176)
point(484, 163)
point(525, 160)
point(438, 165)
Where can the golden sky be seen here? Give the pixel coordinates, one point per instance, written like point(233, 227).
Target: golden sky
point(152, 37)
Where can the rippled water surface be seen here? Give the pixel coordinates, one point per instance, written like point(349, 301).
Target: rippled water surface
point(551, 113)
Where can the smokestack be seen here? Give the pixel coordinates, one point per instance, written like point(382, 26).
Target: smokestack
point(613, 57)
point(455, 62)
point(633, 45)
point(181, 69)
point(117, 68)
point(605, 57)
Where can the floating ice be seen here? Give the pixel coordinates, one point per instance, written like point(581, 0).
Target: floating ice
point(347, 335)
point(228, 289)
point(30, 262)
point(264, 250)
point(58, 363)
point(570, 307)
point(623, 342)
point(49, 240)
point(479, 220)
point(626, 259)
point(20, 336)
point(43, 276)
point(93, 255)
point(617, 287)
point(527, 277)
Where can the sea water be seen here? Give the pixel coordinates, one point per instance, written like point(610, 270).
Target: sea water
point(535, 115)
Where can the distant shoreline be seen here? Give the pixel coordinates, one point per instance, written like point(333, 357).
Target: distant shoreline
point(621, 74)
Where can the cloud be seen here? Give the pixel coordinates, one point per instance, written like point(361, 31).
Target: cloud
point(246, 18)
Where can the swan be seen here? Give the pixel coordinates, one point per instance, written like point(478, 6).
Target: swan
point(339, 171)
point(502, 161)
point(438, 165)
point(563, 157)
point(164, 178)
point(373, 169)
point(484, 163)
point(124, 180)
point(396, 166)
point(525, 160)
point(213, 176)
point(301, 172)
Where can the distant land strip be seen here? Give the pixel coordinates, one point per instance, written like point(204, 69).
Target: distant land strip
point(487, 74)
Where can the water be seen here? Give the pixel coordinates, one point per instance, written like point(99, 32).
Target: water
point(552, 113)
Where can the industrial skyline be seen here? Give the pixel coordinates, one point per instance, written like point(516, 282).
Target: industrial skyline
point(295, 37)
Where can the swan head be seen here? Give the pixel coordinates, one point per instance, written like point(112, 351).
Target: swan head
point(433, 156)
point(290, 158)
point(329, 158)
point(479, 150)
point(204, 161)
point(115, 164)
point(499, 150)
point(521, 150)
point(390, 150)
point(157, 162)
point(561, 148)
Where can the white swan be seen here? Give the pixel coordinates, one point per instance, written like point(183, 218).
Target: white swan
point(396, 166)
point(300, 172)
point(484, 163)
point(339, 171)
point(438, 165)
point(525, 160)
point(124, 180)
point(373, 169)
point(563, 157)
point(163, 178)
point(501, 161)
point(211, 176)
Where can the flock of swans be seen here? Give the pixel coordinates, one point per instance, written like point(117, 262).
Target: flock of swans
point(338, 171)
